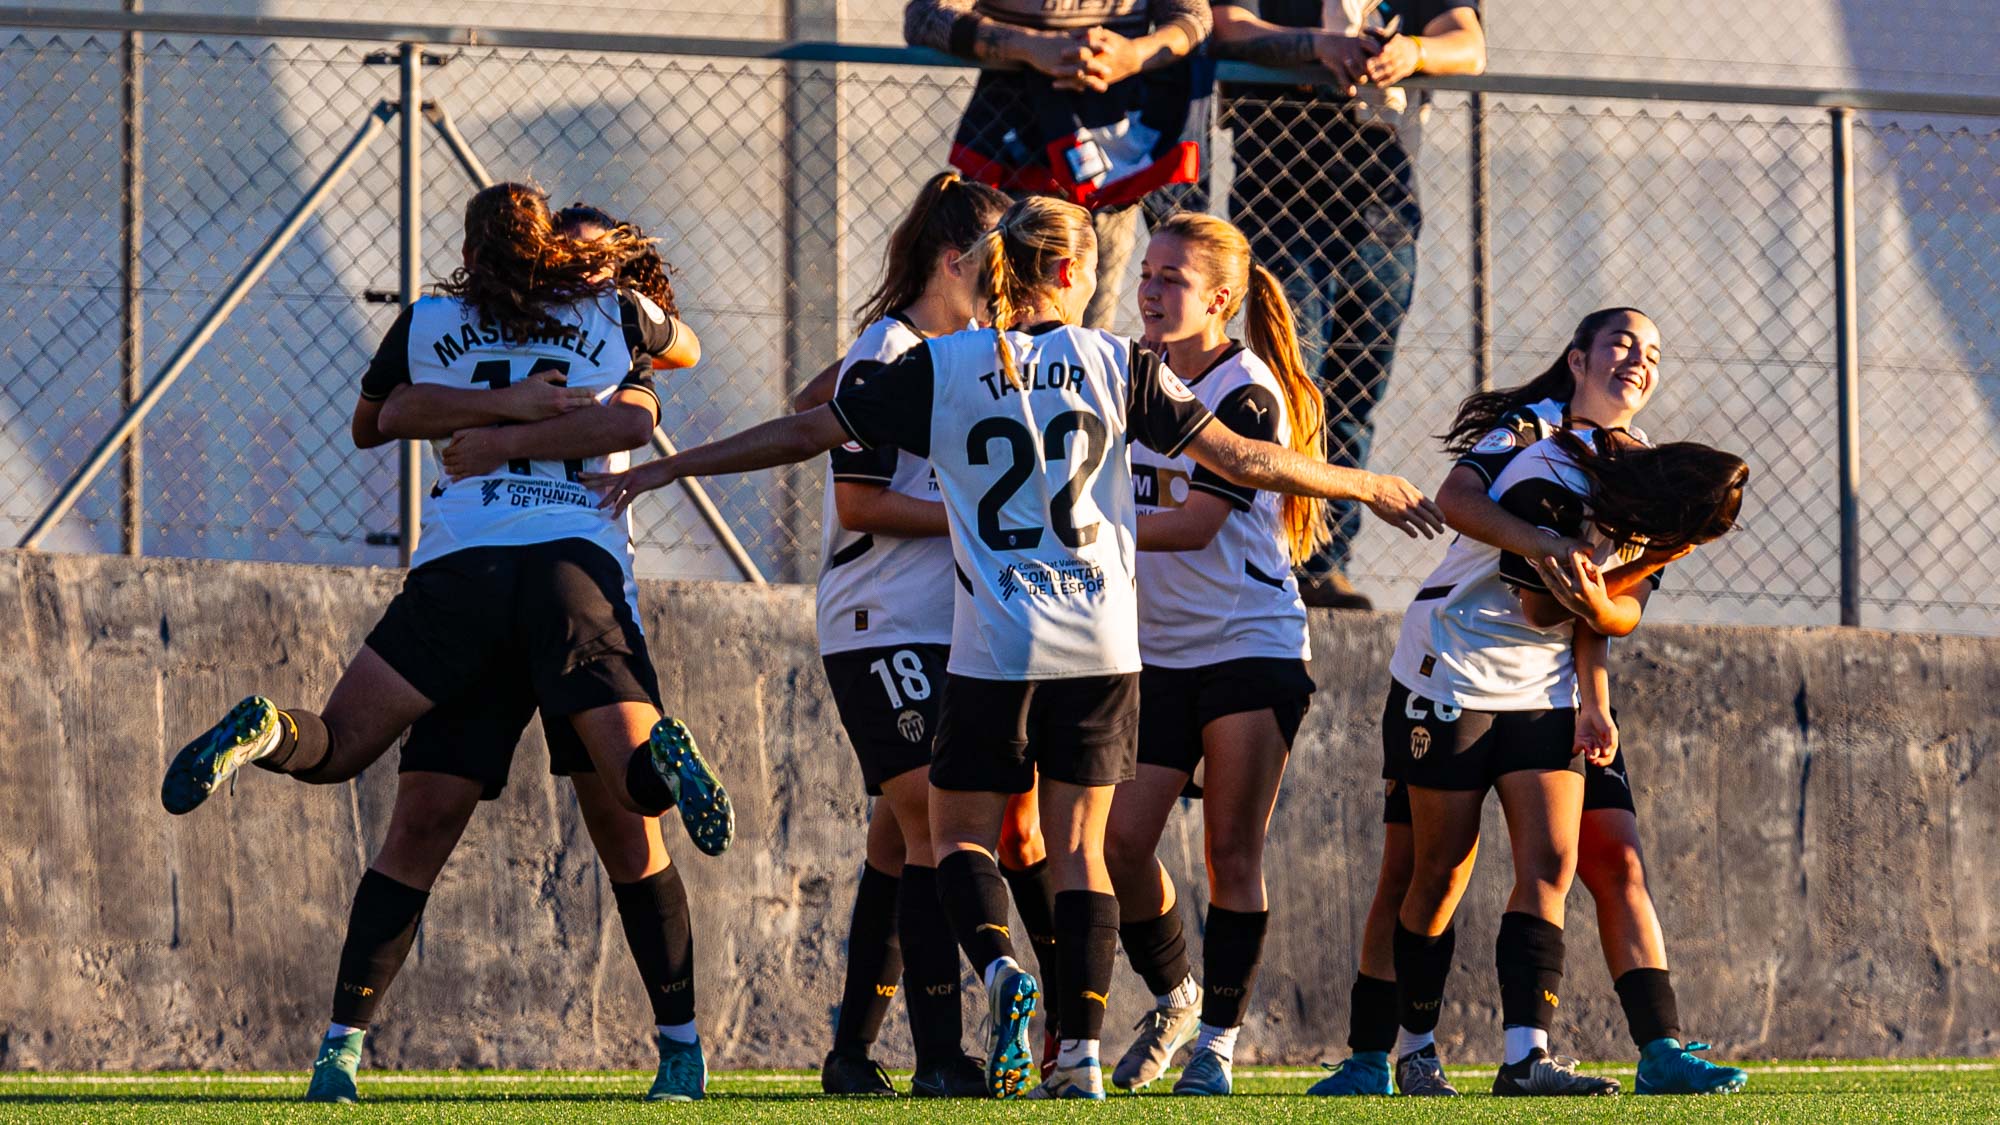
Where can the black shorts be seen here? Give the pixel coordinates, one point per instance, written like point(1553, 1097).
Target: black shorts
point(1438, 746)
point(888, 698)
point(1176, 704)
point(994, 735)
point(1604, 787)
point(490, 633)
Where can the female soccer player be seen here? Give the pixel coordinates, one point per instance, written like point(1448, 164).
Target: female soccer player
point(884, 615)
point(521, 594)
point(1222, 633)
point(1488, 432)
point(1485, 694)
point(1025, 426)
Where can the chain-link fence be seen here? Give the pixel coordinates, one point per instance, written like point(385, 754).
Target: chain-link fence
point(773, 187)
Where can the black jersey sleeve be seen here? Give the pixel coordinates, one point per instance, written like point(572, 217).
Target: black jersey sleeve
point(888, 404)
point(391, 366)
point(649, 331)
point(1162, 414)
point(1549, 506)
point(1253, 412)
point(640, 378)
point(854, 464)
point(1501, 445)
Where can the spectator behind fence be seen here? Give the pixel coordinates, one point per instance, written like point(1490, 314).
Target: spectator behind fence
point(1116, 87)
point(1325, 187)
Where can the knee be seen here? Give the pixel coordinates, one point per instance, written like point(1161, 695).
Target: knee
point(1235, 859)
point(1021, 844)
point(1127, 852)
point(1548, 874)
point(1612, 873)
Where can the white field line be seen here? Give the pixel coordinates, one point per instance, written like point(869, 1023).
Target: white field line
point(473, 1079)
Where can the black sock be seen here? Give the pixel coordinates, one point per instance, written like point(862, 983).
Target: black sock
point(1650, 1007)
point(930, 966)
point(380, 930)
point(645, 784)
point(303, 743)
point(1087, 947)
point(1157, 949)
point(1034, 898)
point(975, 902)
point(1231, 948)
point(1422, 964)
point(655, 913)
point(874, 963)
point(1529, 957)
point(1371, 1014)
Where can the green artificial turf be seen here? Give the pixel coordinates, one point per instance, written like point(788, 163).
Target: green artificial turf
point(1881, 1092)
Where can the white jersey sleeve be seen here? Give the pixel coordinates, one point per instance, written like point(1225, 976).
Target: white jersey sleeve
point(877, 590)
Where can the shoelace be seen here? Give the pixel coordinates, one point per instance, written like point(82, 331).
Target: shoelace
point(675, 1067)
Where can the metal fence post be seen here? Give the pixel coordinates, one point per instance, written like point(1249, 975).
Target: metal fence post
point(1847, 363)
point(410, 458)
point(1482, 246)
point(812, 247)
point(132, 355)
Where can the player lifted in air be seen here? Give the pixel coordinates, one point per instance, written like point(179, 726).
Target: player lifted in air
point(1026, 427)
point(1495, 685)
point(521, 594)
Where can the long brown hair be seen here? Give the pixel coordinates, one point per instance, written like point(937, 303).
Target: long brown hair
point(1481, 412)
point(950, 213)
point(1222, 255)
point(518, 265)
point(1017, 262)
point(1666, 497)
point(644, 271)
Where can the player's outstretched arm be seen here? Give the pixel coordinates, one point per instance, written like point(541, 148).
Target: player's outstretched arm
point(1190, 527)
point(1261, 464)
point(876, 509)
point(781, 441)
point(427, 410)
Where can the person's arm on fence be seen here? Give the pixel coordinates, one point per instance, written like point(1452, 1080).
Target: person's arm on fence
point(1451, 43)
point(952, 26)
point(1105, 58)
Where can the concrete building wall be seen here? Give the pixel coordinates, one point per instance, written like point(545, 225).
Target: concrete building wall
point(1818, 808)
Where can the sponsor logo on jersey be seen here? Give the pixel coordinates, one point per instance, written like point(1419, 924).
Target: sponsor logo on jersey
point(1424, 669)
point(530, 493)
point(1051, 579)
point(910, 725)
point(1420, 742)
point(1155, 486)
point(1499, 441)
point(861, 621)
point(489, 491)
point(851, 446)
point(1176, 390)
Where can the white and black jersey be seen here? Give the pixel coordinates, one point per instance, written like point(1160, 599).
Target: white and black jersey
point(1236, 597)
point(444, 341)
point(877, 590)
point(1465, 640)
point(1037, 485)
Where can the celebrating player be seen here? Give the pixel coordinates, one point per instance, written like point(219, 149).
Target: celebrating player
point(1222, 633)
point(1025, 426)
point(1485, 694)
point(884, 609)
point(1489, 430)
point(521, 594)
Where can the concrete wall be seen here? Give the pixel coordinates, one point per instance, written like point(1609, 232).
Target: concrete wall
point(1819, 809)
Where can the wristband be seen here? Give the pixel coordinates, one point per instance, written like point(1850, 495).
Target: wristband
point(1418, 40)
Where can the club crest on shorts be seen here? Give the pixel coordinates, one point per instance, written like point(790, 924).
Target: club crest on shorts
point(910, 725)
point(1420, 742)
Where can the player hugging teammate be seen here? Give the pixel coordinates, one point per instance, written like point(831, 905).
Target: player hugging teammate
point(1566, 518)
point(536, 364)
point(1033, 481)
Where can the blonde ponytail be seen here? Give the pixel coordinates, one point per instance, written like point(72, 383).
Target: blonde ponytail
point(1222, 255)
point(1017, 264)
point(1275, 340)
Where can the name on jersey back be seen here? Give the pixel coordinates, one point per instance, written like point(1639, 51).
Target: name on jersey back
point(1053, 376)
point(569, 337)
